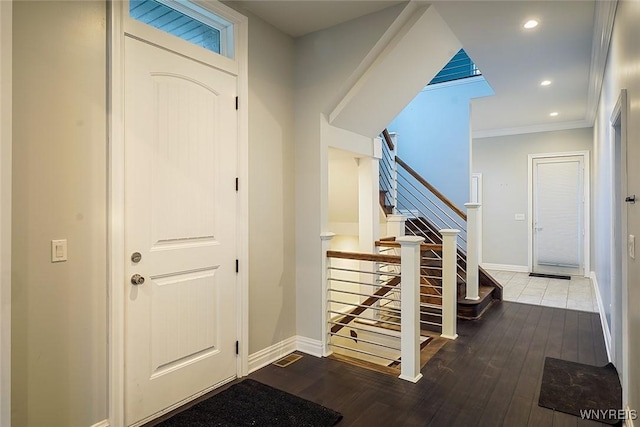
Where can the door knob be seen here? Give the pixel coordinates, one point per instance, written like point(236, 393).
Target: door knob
point(137, 279)
point(631, 199)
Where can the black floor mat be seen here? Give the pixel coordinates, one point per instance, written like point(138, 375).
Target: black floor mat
point(250, 403)
point(582, 390)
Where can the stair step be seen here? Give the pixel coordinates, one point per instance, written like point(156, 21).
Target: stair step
point(473, 309)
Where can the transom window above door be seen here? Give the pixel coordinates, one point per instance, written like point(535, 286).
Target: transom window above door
point(187, 21)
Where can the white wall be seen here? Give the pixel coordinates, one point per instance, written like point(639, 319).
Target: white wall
point(272, 255)
point(433, 135)
point(343, 193)
point(622, 72)
point(503, 162)
point(324, 60)
point(59, 323)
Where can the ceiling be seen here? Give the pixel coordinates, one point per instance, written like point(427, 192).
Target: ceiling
point(512, 59)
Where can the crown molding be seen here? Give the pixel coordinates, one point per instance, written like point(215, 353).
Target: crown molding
point(545, 127)
point(605, 12)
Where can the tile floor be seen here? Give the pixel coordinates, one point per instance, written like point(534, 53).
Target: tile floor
point(574, 294)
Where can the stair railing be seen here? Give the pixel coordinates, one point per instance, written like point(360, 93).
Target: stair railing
point(427, 210)
point(350, 329)
point(388, 174)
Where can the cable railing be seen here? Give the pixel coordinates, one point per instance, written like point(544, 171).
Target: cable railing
point(459, 67)
point(426, 210)
point(376, 304)
point(430, 282)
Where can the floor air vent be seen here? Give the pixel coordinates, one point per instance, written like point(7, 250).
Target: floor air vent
point(287, 360)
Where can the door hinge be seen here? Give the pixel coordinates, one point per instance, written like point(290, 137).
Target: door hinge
point(237, 184)
point(237, 348)
point(237, 102)
point(237, 266)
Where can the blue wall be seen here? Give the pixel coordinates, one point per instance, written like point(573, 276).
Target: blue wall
point(433, 135)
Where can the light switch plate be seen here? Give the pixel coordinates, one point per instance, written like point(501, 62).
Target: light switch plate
point(519, 217)
point(59, 250)
point(632, 246)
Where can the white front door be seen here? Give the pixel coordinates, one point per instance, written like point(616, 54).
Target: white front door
point(558, 215)
point(180, 217)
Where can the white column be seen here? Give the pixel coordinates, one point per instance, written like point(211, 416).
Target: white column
point(326, 316)
point(368, 223)
point(449, 283)
point(410, 308)
point(395, 225)
point(473, 242)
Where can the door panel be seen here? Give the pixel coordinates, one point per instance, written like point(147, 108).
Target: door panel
point(180, 213)
point(558, 215)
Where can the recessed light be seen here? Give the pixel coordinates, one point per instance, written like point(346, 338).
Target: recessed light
point(555, 113)
point(532, 23)
point(545, 83)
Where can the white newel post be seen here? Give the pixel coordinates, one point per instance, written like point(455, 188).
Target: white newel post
point(395, 225)
point(326, 316)
point(473, 244)
point(449, 283)
point(410, 308)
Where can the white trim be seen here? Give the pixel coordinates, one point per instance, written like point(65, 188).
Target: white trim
point(115, 212)
point(586, 209)
point(505, 267)
point(272, 353)
point(545, 127)
point(477, 198)
point(605, 12)
point(103, 423)
point(309, 346)
point(603, 318)
point(459, 82)
point(620, 113)
point(6, 86)
point(117, 16)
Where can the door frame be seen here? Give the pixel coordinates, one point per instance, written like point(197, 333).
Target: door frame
point(586, 211)
point(116, 15)
point(619, 114)
point(6, 85)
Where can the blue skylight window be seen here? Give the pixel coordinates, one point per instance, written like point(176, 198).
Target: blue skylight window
point(459, 67)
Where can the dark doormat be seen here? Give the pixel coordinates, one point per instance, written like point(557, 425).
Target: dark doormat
point(250, 403)
point(585, 391)
point(550, 276)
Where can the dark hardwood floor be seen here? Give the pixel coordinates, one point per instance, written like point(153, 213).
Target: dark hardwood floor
point(489, 376)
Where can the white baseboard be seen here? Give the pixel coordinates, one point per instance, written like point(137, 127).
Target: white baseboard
point(272, 353)
point(603, 318)
point(309, 346)
point(505, 267)
point(103, 423)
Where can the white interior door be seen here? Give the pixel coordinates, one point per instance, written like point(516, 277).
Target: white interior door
point(180, 216)
point(558, 215)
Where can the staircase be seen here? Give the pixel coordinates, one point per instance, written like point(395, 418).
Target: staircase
point(404, 191)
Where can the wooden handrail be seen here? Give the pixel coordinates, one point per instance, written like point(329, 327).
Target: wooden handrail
point(423, 247)
point(431, 188)
point(391, 259)
point(388, 140)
